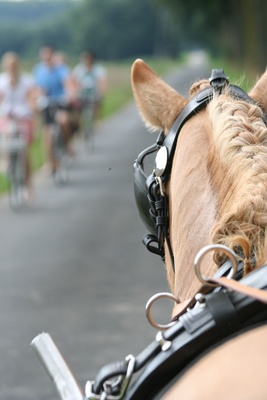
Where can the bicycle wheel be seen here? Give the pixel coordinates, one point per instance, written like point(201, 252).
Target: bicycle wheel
point(16, 179)
point(87, 122)
point(60, 174)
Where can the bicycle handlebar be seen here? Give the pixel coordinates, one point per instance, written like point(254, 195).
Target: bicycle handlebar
point(56, 367)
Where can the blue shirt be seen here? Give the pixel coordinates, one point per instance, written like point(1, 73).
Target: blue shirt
point(51, 79)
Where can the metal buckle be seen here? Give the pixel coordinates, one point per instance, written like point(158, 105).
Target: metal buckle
point(213, 247)
point(160, 184)
point(120, 384)
point(218, 80)
point(161, 162)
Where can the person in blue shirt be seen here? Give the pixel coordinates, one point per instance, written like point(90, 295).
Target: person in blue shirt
point(54, 83)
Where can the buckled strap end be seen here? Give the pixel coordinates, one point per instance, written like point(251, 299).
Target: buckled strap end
point(148, 241)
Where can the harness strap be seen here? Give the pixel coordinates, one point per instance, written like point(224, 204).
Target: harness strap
point(224, 313)
point(120, 367)
point(257, 294)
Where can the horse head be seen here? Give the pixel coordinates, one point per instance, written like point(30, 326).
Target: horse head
point(217, 189)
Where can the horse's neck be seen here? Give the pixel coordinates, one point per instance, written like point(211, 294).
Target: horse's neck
point(192, 206)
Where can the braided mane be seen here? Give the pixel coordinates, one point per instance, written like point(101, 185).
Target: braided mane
point(238, 167)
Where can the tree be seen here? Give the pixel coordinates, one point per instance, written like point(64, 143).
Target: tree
point(229, 28)
point(116, 28)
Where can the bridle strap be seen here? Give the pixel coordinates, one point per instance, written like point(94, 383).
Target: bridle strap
point(192, 108)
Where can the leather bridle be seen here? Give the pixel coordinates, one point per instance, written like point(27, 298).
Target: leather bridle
point(151, 198)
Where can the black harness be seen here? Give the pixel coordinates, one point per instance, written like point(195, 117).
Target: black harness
point(214, 316)
point(151, 200)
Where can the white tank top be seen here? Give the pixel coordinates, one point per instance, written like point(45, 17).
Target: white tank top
point(13, 99)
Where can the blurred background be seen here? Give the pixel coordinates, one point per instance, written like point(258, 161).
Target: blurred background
point(235, 30)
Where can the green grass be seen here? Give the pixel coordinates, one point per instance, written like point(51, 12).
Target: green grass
point(119, 81)
point(3, 183)
point(236, 75)
point(37, 155)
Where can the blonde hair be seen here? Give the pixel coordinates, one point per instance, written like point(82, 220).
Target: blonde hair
point(9, 58)
point(240, 144)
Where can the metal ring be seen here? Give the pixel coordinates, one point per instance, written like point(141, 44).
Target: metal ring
point(149, 305)
point(229, 252)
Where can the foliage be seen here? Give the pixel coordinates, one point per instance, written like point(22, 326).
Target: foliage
point(236, 29)
point(119, 29)
point(116, 29)
point(34, 23)
point(32, 11)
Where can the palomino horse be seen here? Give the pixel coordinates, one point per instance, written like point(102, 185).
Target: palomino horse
point(217, 193)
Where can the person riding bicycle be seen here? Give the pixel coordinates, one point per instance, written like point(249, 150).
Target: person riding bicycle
point(91, 78)
point(55, 86)
point(18, 102)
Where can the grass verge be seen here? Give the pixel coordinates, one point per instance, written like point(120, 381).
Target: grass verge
point(244, 79)
point(119, 81)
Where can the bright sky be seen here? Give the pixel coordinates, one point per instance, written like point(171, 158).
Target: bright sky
point(26, 0)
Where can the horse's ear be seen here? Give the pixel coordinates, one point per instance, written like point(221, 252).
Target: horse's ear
point(259, 91)
point(158, 104)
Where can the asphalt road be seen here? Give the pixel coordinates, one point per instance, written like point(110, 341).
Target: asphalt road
point(72, 263)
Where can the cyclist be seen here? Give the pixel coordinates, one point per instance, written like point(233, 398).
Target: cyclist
point(56, 88)
point(18, 101)
point(92, 80)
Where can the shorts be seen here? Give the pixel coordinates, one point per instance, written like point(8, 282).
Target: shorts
point(49, 113)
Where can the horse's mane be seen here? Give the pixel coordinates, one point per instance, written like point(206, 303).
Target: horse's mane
point(239, 169)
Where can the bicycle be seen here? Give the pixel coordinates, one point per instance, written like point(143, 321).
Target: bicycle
point(59, 153)
point(88, 119)
point(13, 149)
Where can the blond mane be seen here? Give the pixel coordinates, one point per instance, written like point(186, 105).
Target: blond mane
point(239, 175)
